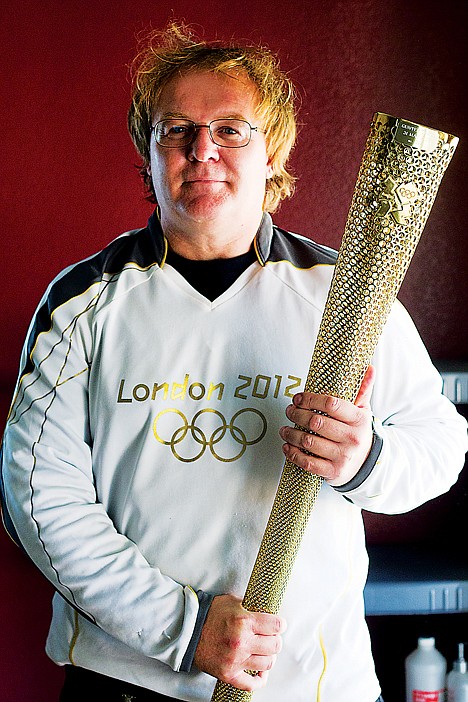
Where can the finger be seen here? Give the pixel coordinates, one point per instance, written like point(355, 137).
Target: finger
point(334, 407)
point(267, 624)
point(311, 464)
point(260, 663)
point(365, 391)
point(326, 427)
point(266, 645)
point(311, 443)
point(246, 681)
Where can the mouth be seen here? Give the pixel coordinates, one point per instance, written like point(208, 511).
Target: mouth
point(203, 180)
point(202, 175)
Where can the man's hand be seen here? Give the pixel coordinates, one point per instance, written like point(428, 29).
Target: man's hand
point(234, 640)
point(342, 433)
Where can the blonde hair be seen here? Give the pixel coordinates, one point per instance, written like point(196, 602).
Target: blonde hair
point(165, 54)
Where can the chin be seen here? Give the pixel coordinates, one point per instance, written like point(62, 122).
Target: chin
point(207, 209)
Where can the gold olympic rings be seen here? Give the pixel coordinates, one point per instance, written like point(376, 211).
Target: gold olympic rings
point(208, 433)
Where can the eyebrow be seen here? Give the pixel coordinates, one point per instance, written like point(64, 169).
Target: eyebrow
point(181, 115)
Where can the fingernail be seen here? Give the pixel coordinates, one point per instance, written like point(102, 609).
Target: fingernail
point(297, 399)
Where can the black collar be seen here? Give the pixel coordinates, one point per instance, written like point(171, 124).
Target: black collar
point(262, 240)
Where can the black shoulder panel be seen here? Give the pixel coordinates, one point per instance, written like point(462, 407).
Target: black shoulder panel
point(140, 247)
point(298, 250)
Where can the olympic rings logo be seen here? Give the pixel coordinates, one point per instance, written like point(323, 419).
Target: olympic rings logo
point(406, 193)
point(208, 429)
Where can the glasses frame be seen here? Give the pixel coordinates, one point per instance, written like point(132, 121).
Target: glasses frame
point(205, 126)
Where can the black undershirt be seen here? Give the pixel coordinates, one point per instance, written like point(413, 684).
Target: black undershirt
point(211, 278)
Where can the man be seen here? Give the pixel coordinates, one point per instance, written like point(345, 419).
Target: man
point(142, 455)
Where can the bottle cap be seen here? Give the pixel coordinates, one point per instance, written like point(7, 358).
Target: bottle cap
point(460, 664)
point(426, 642)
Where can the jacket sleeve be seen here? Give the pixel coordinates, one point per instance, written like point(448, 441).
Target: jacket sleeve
point(424, 439)
point(49, 499)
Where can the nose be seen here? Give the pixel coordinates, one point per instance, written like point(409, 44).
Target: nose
point(203, 147)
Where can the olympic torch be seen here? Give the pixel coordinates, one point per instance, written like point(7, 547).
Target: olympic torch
point(400, 173)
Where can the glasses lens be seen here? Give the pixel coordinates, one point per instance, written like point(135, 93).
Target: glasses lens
point(174, 132)
point(230, 132)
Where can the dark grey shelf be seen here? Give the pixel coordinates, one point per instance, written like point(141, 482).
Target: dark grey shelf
point(415, 580)
point(455, 377)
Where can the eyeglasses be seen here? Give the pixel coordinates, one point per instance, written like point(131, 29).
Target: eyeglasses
point(230, 133)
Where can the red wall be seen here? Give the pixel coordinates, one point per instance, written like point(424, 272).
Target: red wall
point(69, 184)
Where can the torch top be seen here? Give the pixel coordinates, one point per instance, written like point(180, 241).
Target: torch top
point(415, 135)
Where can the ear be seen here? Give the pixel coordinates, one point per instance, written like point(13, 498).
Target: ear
point(269, 170)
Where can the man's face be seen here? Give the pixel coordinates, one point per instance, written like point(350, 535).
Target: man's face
point(204, 183)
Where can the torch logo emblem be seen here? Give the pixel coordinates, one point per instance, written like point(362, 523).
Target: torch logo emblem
point(396, 200)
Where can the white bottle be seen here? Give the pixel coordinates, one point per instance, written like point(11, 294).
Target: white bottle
point(425, 673)
point(457, 679)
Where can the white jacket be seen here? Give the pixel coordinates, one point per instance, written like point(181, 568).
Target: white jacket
point(142, 455)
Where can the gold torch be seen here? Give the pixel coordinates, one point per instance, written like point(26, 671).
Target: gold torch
point(401, 170)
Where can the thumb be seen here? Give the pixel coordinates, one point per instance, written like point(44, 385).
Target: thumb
point(365, 391)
